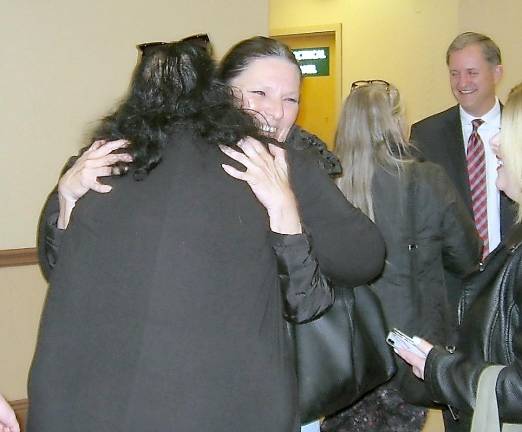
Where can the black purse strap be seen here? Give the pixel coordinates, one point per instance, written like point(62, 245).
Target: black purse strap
point(411, 229)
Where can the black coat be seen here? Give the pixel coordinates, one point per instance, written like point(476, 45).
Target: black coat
point(444, 239)
point(490, 333)
point(164, 310)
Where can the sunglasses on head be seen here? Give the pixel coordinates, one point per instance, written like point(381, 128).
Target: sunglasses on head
point(362, 83)
point(202, 40)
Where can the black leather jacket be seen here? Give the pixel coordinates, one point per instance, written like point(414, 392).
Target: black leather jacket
point(490, 333)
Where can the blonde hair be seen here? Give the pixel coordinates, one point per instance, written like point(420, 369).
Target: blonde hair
point(511, 140)
point(370, 134)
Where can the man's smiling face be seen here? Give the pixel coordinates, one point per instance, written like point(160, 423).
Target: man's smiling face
point(473, 79)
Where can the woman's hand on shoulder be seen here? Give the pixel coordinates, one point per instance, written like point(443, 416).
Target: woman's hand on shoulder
point(97, 161)
point(267, 175)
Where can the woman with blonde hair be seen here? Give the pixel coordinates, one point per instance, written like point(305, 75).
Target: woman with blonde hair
point(490, 331)
point(427, 232)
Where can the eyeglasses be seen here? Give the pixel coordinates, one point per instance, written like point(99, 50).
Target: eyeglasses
point(202, 40)
point(362, 83)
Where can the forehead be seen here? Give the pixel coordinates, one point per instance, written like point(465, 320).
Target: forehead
point(468, 57)
point(271, 72)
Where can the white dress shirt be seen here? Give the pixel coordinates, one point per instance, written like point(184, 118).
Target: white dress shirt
point(487, 130)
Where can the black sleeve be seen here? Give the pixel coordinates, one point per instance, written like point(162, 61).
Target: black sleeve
point(453, 379)
point(300, 139)
point(348, 245)
point(49, 237)
point(306, 292)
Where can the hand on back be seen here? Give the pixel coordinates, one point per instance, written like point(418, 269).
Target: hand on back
point(97, 161)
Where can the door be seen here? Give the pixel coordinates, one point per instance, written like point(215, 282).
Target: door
point(318, 102)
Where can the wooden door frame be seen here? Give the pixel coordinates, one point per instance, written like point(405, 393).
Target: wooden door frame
point(336, 29)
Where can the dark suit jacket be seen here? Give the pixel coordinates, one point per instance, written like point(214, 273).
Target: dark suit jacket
point(439, 139)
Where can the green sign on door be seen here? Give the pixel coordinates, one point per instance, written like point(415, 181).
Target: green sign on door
point(313, 61)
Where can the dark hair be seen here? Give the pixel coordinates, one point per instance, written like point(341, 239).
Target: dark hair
point(174, 84)
point(490, 49)
point(238, 58)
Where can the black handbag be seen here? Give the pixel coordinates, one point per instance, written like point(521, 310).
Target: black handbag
point(342, 355)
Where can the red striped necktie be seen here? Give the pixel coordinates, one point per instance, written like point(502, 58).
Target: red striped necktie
point(476, 159)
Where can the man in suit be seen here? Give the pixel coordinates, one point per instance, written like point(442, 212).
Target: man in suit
point(475, 68)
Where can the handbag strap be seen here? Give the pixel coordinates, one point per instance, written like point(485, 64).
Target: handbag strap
point(411, 222)
point(485, 415)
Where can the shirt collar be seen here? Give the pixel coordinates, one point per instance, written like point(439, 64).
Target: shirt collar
point(467, 118)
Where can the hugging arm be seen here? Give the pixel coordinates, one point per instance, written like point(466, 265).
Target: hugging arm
point(305, 290)
point(79, 175)
point(347, 244)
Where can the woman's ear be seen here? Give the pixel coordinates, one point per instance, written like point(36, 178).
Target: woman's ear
point(238, 95)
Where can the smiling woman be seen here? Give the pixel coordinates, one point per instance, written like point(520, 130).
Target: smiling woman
point(270, 88)
point(267, 79)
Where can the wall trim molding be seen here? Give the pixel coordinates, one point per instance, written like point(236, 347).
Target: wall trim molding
point(18, 257)
point(20, 408)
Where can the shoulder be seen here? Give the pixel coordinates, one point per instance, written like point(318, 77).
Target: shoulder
point(304, 141)
point(432, 180)
point(429, 171)
point(514, 239)
point(435, 120)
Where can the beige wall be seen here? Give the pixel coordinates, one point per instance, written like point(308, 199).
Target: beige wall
point(404, 41)
point(63, 65)
point(22, 292)
point(500, 20)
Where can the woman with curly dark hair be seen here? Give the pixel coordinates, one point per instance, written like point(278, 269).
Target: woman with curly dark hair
point(165, 309)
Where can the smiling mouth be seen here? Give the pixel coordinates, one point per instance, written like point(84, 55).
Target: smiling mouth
point(268, 129)
point(466, 92)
